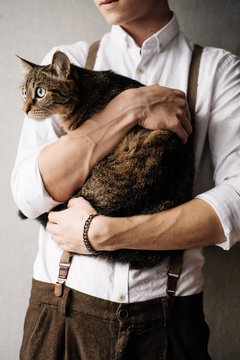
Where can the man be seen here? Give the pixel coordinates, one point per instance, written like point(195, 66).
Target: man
point(110, 311)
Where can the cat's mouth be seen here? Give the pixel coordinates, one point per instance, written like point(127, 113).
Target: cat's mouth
point(37, 115)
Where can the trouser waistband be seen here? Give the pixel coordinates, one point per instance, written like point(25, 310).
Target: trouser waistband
point(137, 313)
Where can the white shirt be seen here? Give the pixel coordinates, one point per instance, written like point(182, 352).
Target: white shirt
point(164, 59)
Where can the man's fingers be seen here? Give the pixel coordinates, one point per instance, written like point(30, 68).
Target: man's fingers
point(179, 93)
point(187, 111)
point(76, 201)
point(182, 126)
point(181, 133)
point(81, 203)
point(183, 136)
point(58, 239)
point(53, 216)
point(56, 216)
point(186, 124)
point(183, 114)
point(52, 228)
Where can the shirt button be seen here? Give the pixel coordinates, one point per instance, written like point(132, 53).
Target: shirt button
point(160, 45)
point(121, 298)
point(123, 314)
point(130, 41)
point(140, 70)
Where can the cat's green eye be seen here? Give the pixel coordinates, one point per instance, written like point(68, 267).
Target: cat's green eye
point(24, 94)
point(40, 92)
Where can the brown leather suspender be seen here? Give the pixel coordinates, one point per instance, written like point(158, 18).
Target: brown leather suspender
point(193, 78)
point(64, 266)
point(176, 258)
point(66, 258)
point(92, 55)
point(175, 261)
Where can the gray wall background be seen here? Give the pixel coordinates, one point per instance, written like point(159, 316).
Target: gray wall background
point(30, 28)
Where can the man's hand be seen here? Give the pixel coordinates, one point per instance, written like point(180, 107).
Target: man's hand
point(65, 164)
point(159, 107)
point(66, 226)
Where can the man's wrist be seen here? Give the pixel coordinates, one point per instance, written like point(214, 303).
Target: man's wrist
point(97, 233)
point(114, 233)
point(133, 100)
point(107, 233)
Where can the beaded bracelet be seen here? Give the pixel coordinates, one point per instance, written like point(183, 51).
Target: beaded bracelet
point(85, 234)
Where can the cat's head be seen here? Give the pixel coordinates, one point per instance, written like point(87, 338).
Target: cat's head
point(48, 90)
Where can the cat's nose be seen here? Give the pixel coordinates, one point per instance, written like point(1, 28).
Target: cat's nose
point(26, 108)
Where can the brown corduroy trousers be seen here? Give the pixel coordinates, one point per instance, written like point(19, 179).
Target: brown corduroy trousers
point(81, 327)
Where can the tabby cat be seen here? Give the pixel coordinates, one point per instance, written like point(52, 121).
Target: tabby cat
point(149, 171)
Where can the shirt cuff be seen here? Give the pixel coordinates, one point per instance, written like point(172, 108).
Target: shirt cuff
point(226, 203)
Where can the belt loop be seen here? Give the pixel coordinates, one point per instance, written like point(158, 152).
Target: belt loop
point(64, 302)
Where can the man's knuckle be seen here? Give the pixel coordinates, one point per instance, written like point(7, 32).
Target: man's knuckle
point(71, 201)
point(180, 93)
point(175, 123)
point(179, 113)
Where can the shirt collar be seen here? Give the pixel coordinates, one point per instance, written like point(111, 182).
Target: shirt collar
point(156, 43)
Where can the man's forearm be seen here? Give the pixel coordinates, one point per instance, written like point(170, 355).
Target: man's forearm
point(191, 225)
point(65, 164)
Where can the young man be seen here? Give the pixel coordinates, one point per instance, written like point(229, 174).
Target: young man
point(110, 311)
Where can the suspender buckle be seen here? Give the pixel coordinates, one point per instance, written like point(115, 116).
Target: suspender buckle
point(63, 271)
point(174, 275)
point(62, 277)
point(171, 286)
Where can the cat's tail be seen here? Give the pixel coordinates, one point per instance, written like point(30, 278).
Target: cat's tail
point(21, 215)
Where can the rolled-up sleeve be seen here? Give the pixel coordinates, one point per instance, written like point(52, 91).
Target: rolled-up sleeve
point(28, 189)
point(224, 144)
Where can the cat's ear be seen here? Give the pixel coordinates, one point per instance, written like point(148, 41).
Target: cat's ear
point(61, 65)
point(26, 65)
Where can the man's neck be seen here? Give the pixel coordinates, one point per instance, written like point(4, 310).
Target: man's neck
point(142, 30)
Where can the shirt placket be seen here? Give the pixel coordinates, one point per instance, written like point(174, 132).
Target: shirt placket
point(121, 283)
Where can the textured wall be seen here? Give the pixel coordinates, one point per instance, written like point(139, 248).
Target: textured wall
point(30, 28)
